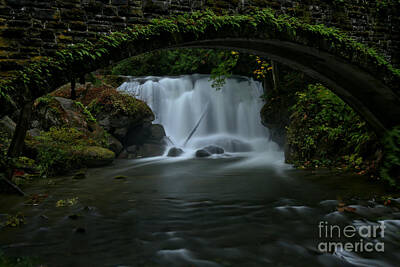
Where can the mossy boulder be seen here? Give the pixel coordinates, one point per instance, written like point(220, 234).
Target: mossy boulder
point(58, 112)
point(50, 111)
point(63, 148)
point(118, 113)
point(95, 156)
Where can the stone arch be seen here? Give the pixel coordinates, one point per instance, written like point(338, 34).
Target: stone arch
point(356, 73)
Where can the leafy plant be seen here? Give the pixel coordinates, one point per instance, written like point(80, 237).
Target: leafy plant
point(67, 202)
point(325, 131)
point(16, 220)
point(390, 171)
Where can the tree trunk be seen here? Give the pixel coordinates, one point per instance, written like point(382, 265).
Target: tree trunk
point(17, 143)
point(275, 75)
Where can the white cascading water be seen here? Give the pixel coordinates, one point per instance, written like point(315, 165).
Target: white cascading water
point(232, 120)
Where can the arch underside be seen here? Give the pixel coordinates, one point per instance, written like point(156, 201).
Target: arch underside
point(372, 99)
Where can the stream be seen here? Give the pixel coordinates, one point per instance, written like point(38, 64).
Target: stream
point(197, 212)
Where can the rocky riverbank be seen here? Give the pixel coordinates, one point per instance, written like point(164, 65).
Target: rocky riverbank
point(66, 135)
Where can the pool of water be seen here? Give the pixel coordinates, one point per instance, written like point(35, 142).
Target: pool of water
point(228, 211)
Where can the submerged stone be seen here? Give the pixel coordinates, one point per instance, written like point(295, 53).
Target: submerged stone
point(214, 149)
point(201, 153)
point(175, 152)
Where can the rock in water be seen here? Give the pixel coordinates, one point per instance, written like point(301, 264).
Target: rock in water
point(201, 153)
point(214, 149)
point(175, 152)
point(150, 150)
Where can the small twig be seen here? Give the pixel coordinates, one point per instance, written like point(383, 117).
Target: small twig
point(14, 186)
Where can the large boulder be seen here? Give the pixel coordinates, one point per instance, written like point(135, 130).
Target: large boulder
point(145, 133)
point(62, 149)
point(119, 113)
point(52, 111)
point(150, 150)
point(58, 112)
point(127, 119)
point(148, 140)
point(94, 156)
point(114, 144)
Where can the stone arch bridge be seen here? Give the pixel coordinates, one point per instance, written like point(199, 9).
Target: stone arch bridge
point(358, 74)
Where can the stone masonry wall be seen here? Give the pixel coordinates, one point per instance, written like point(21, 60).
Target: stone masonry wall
point(38, 27)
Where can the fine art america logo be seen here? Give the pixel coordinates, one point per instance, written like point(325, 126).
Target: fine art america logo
point(363, 238)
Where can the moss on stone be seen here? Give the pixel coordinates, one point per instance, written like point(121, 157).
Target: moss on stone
point(114, 102)
point(62, 149)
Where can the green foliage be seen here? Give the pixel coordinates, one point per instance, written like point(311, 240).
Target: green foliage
point(114, 102)
point(390, 171)
point(67, 202)
point(16, 220)
point(62, 148)
point(173, 62)
point(46, 73)
point(325, 131)
point(224, 69)
point(88, 114)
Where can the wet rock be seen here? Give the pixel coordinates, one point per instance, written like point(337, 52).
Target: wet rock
point(62, 112)
point(120, 114)
point(132, 149)
point(201, 153)
point(151, 150)
point(175, 152)
point(123, 155)
point(214, 149)
point(157, 133)
point(231, 145)
point(97, 156)
point(114, 145)
point(146, 133)
point(121, 133)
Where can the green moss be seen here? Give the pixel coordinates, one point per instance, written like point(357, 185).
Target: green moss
point(96, 152)
point(48, 102)
point(114, 102)
point(325, 131)
point(89, 116)
point(47, 73)
point(62, 149)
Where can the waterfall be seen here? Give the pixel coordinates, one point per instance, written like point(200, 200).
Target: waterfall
point(232, 120)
